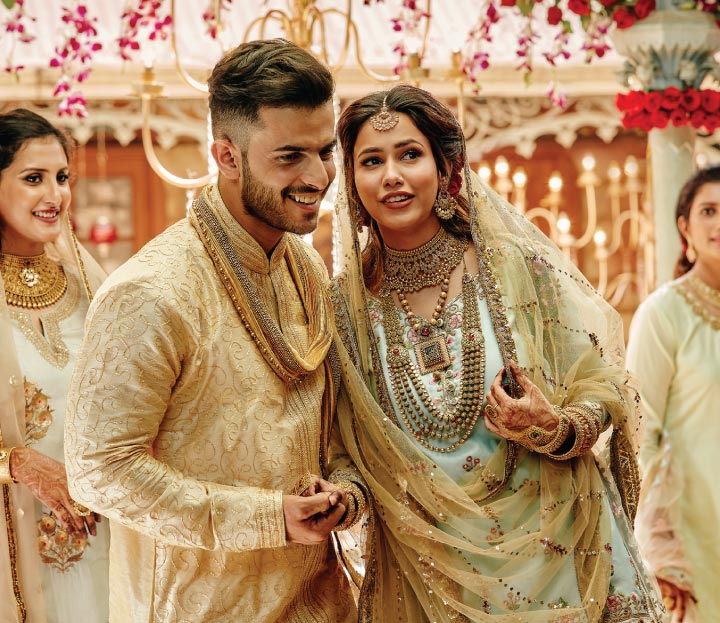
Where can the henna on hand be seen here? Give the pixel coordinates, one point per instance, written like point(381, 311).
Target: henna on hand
point(532, 408)
point(47, 480)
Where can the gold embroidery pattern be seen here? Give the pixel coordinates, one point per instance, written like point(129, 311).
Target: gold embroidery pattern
point(696, 295)
point(38, 414)
point(58, 548)
point(52, 348)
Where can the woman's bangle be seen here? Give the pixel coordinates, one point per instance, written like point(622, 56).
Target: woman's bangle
point(356, 504)
point(5, 476)
point(587, 427)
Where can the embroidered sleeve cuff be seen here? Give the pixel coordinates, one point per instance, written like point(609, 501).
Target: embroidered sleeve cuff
point(249, 518)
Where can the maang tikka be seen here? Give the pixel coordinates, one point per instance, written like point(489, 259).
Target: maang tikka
point(385, 119)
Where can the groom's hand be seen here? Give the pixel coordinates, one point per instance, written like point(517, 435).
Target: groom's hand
point(310, 519)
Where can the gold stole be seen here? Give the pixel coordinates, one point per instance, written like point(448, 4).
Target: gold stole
point(282, 357)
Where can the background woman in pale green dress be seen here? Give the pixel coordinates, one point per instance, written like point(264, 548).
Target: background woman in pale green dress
point(674, 350)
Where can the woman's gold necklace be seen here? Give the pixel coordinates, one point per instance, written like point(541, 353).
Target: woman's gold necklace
point(32, 282)
point(413, 270)
point(436, 429)
point(708, 292)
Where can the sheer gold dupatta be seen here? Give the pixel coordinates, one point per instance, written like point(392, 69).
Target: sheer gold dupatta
point(20, 573)
point(478, 549)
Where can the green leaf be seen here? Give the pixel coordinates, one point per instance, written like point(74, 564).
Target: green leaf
point(525, 6)
point(9, 3)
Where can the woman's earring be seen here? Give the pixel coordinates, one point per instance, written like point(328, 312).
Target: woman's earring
point(361, 217)
point(445, 204)
point(690, 253)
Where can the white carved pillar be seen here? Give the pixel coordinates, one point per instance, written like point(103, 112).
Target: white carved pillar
point(669, 48)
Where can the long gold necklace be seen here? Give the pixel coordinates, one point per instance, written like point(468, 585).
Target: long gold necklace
point(441, 430)
point(32, 282)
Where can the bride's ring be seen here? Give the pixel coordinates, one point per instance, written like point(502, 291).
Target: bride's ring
point(82, 511)
point(491, 411)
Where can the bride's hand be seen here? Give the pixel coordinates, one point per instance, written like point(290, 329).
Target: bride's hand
point(517, 414)
point(47, 481)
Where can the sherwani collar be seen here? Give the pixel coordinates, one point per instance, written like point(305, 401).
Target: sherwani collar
point(289, 364)
point(252, 255)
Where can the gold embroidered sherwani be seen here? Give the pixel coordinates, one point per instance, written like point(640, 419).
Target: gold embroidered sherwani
point(180, 432)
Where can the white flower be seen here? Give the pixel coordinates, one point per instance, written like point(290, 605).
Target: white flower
point(687, 71)
point(644, 73)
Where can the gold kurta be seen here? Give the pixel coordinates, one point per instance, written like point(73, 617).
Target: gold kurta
point(180, 433)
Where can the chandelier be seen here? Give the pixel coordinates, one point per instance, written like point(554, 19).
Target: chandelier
point(301, 22)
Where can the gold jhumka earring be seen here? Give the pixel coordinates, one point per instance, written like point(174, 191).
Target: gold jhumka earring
point(385, 119)
point(445, 204)
point(690, 252)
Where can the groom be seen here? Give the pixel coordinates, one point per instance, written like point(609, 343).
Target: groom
point(200, 413)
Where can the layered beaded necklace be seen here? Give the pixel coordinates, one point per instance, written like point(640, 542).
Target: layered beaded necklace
point(32, 282)
point(440, 430)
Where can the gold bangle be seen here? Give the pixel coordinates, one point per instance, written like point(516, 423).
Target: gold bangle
point(356, 503)
point(587, 426)
point(5, 476)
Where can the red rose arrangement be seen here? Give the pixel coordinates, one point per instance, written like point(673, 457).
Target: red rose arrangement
point(699, 108)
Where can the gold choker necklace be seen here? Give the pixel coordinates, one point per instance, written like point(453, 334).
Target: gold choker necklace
point(32, 282)
point(428, 265)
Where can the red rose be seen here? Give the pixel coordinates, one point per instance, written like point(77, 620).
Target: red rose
point(697, 119)
point(643, 8)
point(608, 3)
point(508, 2)
point(646, 122)
point(710, 100)
point(632, 119)
point(621, 102)
point(691, 100)
point(579, 7)
point(631, 101)
point(622, 17)
point(678, 117)
point(455, 183)
point(712, 123)
point(671, 98)
point(653, 101)
point(634, 101)
point(659, 119)
point(554, 15)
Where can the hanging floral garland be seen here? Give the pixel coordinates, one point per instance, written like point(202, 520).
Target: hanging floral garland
point(146, 21)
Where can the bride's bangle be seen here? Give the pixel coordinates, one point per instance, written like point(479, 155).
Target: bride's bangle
point(5, 476)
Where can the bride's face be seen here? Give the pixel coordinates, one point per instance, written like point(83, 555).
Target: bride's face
point(397, 181)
